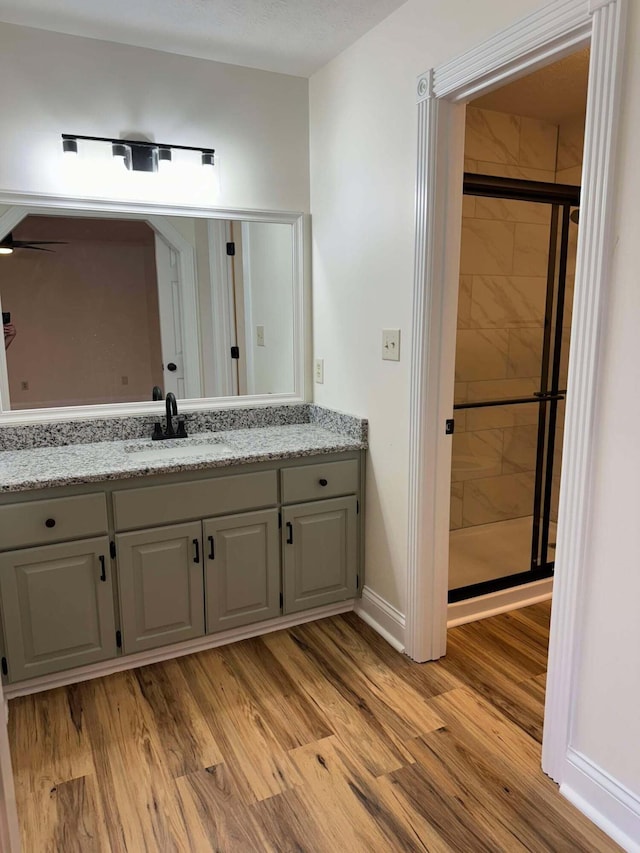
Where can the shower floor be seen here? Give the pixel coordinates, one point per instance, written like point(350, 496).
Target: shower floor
point(490, 551)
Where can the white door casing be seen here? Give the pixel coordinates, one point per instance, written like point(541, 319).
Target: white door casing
point(544, 36)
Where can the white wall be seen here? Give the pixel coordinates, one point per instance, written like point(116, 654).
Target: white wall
point(257, 121)
point(363, 136)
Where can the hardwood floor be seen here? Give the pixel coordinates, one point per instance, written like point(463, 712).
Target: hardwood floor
point(319, 738)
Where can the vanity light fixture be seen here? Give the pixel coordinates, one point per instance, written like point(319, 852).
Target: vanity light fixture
point(137, 154)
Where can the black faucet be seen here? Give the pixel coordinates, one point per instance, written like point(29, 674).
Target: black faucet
point(169, 432)
point(172, 409)
point(156, 394)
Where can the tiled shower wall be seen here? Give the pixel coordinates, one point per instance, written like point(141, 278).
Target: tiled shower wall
point(501, 314)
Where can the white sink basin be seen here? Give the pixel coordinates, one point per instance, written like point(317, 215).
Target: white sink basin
point(179, 448)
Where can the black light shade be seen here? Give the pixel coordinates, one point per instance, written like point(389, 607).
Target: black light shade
point(207, 158)
point(70, 146)
point(164, 154)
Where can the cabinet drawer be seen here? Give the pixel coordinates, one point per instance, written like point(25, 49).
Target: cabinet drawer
point(311, 482)
point(157, 505)
point(40, 522)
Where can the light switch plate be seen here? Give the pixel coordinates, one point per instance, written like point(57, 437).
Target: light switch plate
point(391, 344)
point(260, 336)
point(318, 371)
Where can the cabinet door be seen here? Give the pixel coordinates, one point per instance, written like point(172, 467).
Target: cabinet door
point(161, 586)
point(243, 569)
point(57, 607)
point(320, 553)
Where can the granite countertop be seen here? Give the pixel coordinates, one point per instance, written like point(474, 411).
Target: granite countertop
point(46, 467)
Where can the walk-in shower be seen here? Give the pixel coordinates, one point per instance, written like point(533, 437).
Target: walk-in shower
point(517, 266)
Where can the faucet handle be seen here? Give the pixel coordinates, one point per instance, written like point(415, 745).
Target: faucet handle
point(157, 431)
point(182, 432)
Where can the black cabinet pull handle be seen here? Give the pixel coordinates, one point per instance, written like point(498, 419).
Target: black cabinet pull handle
point(196, 545)
point(289, 533)
point(323, 482)
point(212, 549)
point(50, 522)
point(103, 573)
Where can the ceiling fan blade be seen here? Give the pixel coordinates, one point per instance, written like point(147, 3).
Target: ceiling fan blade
point(27, 244)
point(37, 249)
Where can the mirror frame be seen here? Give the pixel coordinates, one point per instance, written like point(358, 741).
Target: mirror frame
point(22, 204)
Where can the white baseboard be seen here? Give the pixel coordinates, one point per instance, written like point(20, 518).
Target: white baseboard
point(484, 606)
point(189, 647)
point(382, 617)
point(611, 806)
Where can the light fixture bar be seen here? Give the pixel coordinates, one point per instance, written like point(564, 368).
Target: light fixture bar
point(139, 142)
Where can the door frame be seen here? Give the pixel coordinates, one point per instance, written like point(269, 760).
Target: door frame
point(542, 37)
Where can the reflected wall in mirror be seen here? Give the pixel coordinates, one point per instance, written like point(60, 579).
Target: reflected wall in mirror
point(117, 304)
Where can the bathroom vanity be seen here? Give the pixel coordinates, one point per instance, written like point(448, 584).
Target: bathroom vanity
point(112, 550)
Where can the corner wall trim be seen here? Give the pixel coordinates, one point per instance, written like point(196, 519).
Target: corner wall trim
point(609, 804)
point(383, 617)
point(484, 606)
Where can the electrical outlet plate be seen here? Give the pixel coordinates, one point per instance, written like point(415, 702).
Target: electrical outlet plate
point(318, 370)
point(260, 336)
point(391, 344)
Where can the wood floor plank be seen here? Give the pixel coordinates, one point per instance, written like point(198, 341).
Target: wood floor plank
point(261, 767)
point(292, 717)
point(187, 740)
point(216, 818)
point(350, 717)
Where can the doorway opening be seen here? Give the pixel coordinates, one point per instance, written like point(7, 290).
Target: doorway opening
point(520, 213)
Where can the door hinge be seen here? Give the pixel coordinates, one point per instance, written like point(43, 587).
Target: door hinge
point(281, 604)
point(119, 639)
point(357, 581)
point(280, 520)
point(449, 426)
point(112, 549)
point(235, 352)
point(357, 507)
point(231, 249)
point(5, 668)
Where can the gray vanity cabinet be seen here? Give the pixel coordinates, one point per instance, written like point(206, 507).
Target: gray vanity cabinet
point(160, 574)
point(320, 553)
point(242, 577)
point(57, 607)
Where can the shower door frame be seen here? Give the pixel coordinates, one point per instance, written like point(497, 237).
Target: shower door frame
point(537, 40)
point(560, 198)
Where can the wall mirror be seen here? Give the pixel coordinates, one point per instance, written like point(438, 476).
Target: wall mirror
point(102, 306)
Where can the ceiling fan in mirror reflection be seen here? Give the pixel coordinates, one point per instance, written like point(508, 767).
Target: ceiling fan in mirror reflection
point(8, 245)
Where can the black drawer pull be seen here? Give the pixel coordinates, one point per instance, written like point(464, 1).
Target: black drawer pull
point(196, 545)
point(212, 548)
point(289, 533)
point(103, 573)
point(50, 522)
point(323, 482)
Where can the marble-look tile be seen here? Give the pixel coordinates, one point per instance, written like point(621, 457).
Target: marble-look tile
point(487, 247)
point(557, 449)
point(568, 301)
point(538, 144)
point(460, 418)
point(555, 497)
point(476, 454)
point(497, 498)
point(572, 249)
point(520, 449)
point(564, 357)
point(571, 176)
point(460, 392)
point(508, 210)
point(525, 352)
point(464, 301)
point(502, 389)
point(455, 513)
point(507, 302)
point(527, 173)
point(481, 354)
point(468, 206)
point(570, 143)
point(489, 551)
point(470, 165)
point(531, 249)
point(492, 136)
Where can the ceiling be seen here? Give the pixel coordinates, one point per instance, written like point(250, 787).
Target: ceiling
point(555, 92)
point(288, 36)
